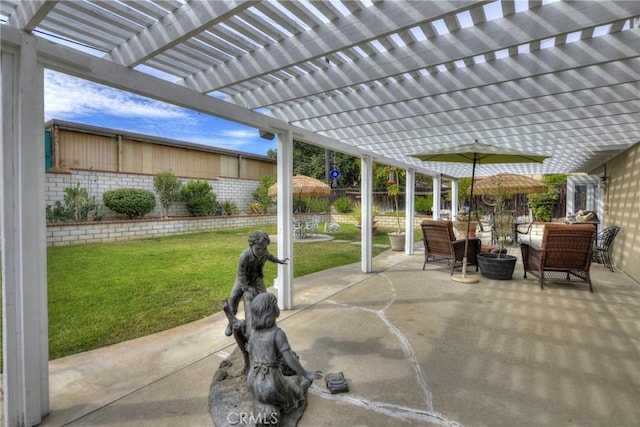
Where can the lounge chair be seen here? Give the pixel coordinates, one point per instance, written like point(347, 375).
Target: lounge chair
point(564, 254)
point(440, 244)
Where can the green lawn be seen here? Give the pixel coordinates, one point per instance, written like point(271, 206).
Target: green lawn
point(102, 294)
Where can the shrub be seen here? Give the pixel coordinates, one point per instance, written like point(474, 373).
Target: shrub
point(543, 204)
point(316, 205)
point(57, 213)
point(555, 178)
point(167, 187)
point(356, 211)
point(77, 206)
point(299, 205)
point(230, 207)
point(424, 204)
point(342, 205)
point(255, 207)
point(132, 202)
point(199, 198)
point(260, 194)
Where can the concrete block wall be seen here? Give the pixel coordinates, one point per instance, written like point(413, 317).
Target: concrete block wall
point(384, 221)
point(237, 190)
point(125, 230)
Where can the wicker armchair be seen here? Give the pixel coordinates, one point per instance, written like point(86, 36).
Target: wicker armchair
point(440, 244)
point(565, 254)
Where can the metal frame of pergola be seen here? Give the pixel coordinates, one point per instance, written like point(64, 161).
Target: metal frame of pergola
point(381, 80)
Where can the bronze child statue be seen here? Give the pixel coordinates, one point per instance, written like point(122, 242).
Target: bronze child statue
point(250, 278)
point(276, 378)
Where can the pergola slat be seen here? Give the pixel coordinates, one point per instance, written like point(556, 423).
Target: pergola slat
point(377, 74)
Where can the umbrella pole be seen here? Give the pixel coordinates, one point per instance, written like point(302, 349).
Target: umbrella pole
point(464, 278)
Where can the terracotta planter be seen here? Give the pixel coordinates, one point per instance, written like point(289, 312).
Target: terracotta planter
point(397, 241)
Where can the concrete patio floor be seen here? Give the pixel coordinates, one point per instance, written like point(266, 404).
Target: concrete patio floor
point(415, 347)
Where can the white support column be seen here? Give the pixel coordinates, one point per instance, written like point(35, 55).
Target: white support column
point(600, 197)
point(571, 196)
point(591, 197)
point(366, 191)
point(454, 199)
point(437, 197)
point(409, 209)
point(285, 219)
point(24, 270)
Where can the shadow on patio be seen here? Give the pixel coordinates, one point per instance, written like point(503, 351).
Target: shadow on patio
point(415, 347)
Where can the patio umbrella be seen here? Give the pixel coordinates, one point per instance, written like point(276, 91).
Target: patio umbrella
point(303, 185)
point(477, 153)
point(509, 183)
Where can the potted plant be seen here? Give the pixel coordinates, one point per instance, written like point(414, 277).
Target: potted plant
point(499, 265)
point(397, 238)
point(356, 211)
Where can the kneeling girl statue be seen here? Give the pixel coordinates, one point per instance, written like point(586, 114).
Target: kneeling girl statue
point(275, 376)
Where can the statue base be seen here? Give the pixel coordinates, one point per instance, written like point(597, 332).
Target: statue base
point(231, 403)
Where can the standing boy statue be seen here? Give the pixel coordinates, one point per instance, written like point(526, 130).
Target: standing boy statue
point(250, 278)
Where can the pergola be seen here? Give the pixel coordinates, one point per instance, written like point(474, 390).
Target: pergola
point(380, 80)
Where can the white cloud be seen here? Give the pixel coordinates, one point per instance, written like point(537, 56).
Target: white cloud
point(73, 99)
point(249, 134)
point(68, 97)
point(232, 139)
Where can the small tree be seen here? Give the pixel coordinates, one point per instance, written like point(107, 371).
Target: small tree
point(393, 190)
point(502, 219)
point(261, 196)
point(199, 198)
point(167, 186)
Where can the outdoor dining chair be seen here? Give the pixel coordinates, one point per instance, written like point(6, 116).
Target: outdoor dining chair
point(604, 239)
point(523, 229)
point(311, 227)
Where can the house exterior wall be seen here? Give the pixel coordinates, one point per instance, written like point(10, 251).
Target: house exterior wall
point(622, 208)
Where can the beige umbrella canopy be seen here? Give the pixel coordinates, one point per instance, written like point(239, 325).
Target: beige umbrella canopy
point(304, 186)
point(477, 153)
point(508, 183)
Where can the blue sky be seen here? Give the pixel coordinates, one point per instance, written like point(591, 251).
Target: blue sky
point(72, 99)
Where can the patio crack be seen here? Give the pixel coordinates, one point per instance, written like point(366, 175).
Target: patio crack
point(397, 411)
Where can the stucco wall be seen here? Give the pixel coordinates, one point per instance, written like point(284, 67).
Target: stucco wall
point(622, 208)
